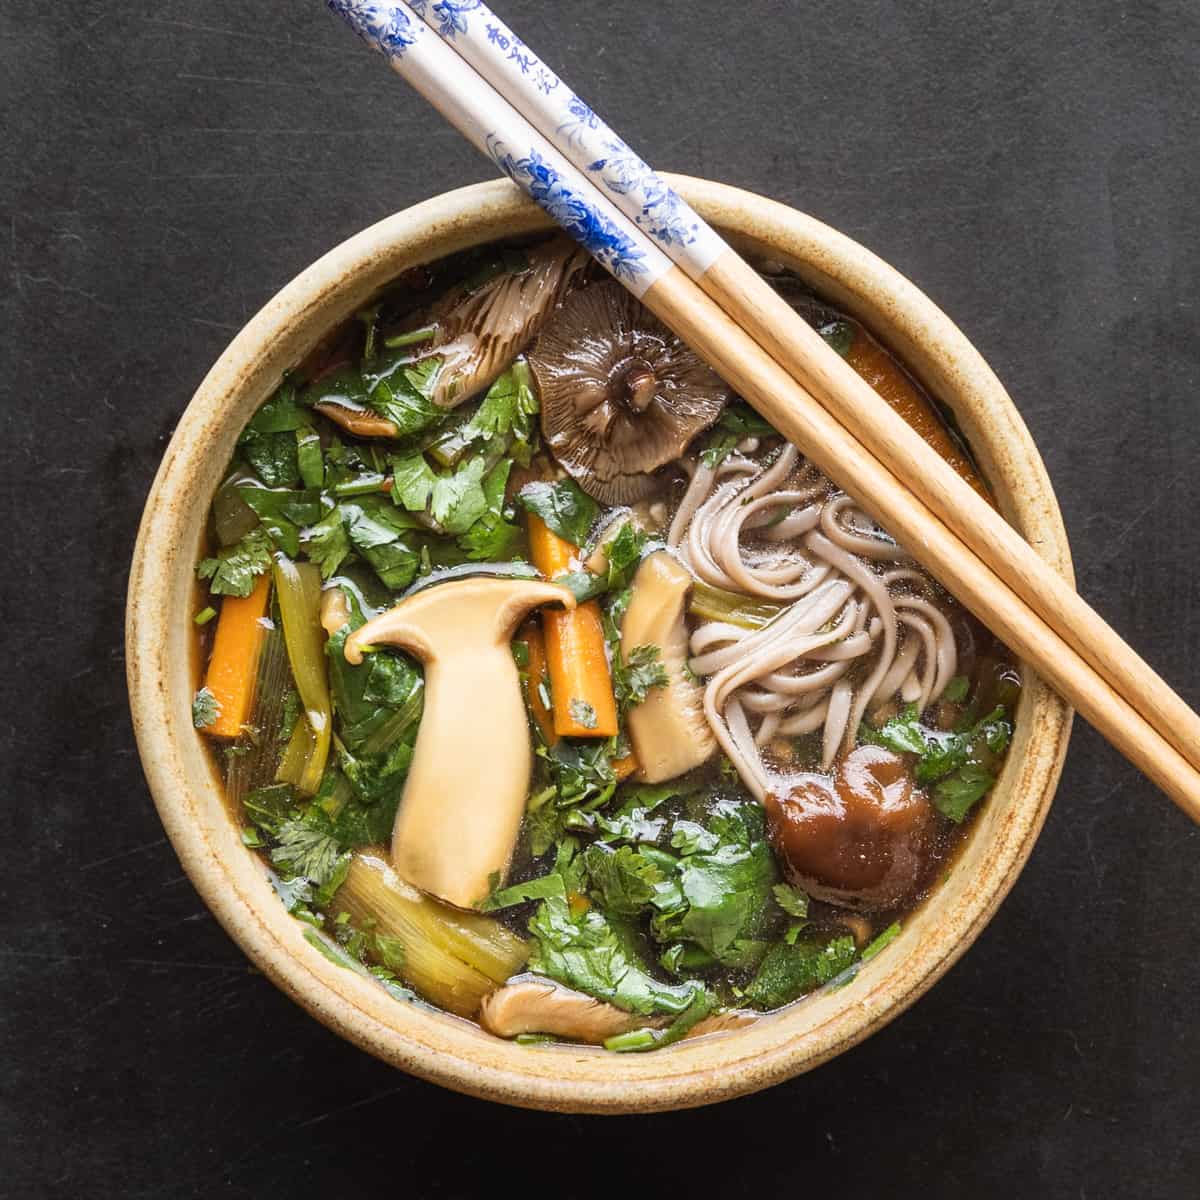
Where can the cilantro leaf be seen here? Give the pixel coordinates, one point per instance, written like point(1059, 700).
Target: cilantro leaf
point(233, 571)
point(632, 821)
point(282, 512)
point(273, 456)
point(508, 411)
point(956, 795)
point(385, 536)
point(582, 713)
point(304, 849)
point(282, 413)
point(399, 390)
point(737, 422)
point(519, 893)
point(621, 880)
point(788, 971)
point(566, 509)
point(638, 1040)
point(588, 951)
point(458, 499)
point(638, 675)
point(413, 481)
point(956, 689)
point(205, 708)
point(792, 900)
point(724, 889)
point(327, 543)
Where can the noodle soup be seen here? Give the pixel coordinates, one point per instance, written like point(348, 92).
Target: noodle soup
point(557, 690)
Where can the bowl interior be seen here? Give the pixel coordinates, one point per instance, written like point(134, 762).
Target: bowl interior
point(234, 882)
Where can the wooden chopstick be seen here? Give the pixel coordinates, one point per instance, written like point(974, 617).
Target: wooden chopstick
point(486, 118)
point(507, 63)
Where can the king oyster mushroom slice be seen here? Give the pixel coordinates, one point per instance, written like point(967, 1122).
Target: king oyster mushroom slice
point(669, 731)
point(531, 1004)
point(621, 395)
point(481, 330)
point(464, 797)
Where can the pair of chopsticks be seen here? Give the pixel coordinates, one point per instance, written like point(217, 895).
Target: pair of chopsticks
point(480, 76)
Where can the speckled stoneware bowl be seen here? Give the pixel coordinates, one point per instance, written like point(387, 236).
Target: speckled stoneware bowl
point(162, 675)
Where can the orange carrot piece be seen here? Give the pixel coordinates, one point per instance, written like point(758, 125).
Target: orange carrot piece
point(624, 767)
point(580, 683)
point(233, 665)
point(535, 675)
point(891, 381)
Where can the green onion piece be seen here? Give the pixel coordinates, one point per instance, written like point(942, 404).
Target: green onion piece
point(298, 588)
point(205, 615)
point(635, 1039)
point(362, 485)
point(411, 338)
point(889, 935)
point(716, 604)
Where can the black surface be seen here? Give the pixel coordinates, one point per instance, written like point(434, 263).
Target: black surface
point(167, 166)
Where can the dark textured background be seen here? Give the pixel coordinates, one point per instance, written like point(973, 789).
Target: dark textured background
point(167, 166)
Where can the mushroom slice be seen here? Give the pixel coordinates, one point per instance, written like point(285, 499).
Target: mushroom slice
point(669, 731)
point(536, 1005)
point(482, 329)
point(539, 1006)
point(621, 395)
point(358, 421)
point(464, 797)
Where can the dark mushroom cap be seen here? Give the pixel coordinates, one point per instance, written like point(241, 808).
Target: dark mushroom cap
point(621, 395)
point(866, 842)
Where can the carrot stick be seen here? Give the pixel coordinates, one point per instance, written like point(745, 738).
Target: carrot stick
point(233, 665)
point(890, 380)
point(535, 675)
point(580, 684)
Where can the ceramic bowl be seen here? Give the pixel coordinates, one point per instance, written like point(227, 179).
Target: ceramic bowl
point(162, 671)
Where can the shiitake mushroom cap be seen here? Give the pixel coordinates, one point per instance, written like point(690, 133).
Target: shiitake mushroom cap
point(620, 394)
point(864, 841)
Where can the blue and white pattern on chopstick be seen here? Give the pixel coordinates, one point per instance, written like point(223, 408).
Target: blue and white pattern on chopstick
point(385, 27)
point(614, 250)
point(497, 52)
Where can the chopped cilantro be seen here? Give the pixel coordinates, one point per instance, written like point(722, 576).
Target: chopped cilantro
point(233, 571)
point(737, 422)
point(588, 951)
point(949, 760)
point(792, 900)
point(582, 713)
point(640, 673)
point(205, 708)
point(306, 850)
point(566, 509)
point(788, 971)
point(622, 880)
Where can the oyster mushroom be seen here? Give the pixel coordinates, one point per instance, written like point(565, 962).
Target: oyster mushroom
point(864, 843)
point(536, 1005)
point(669, 731)
point(480, 330)
point(621, 395)
point(464, 797)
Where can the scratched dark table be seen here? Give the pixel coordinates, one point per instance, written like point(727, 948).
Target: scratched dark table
point(167, 166)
